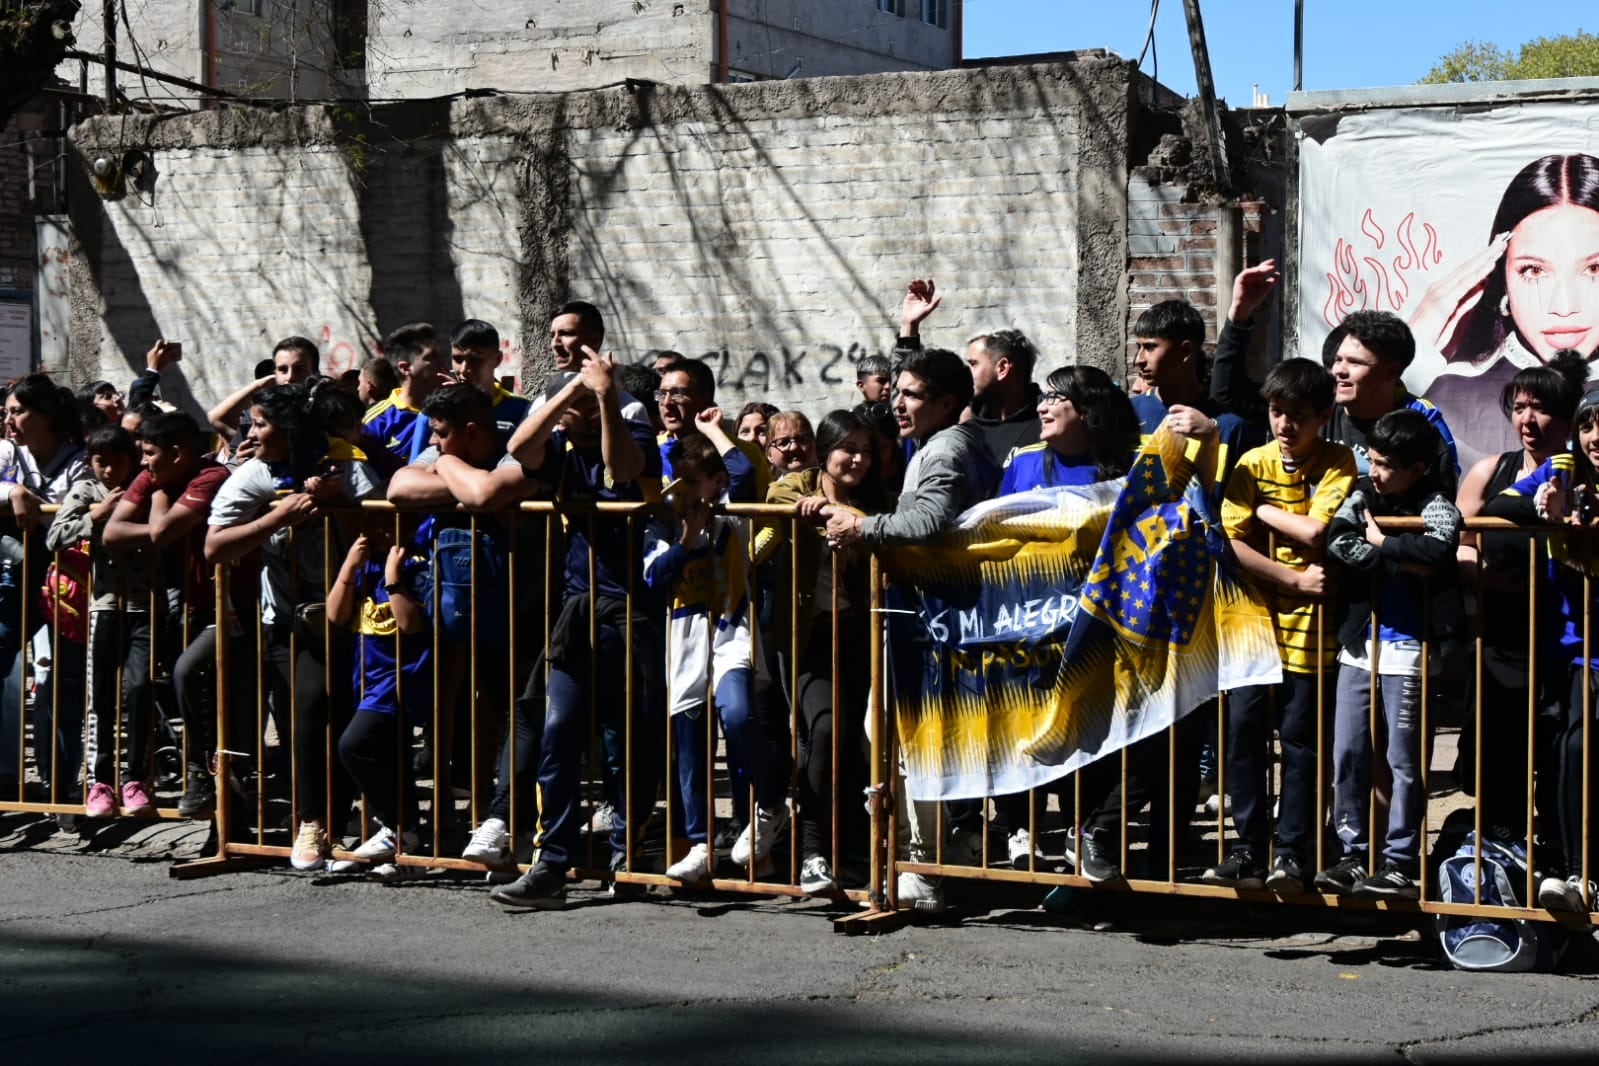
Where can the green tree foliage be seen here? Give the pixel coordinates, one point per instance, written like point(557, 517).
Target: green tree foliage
point(1568, 56)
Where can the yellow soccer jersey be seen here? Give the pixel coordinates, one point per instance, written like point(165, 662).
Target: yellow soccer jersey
point(1315, 487)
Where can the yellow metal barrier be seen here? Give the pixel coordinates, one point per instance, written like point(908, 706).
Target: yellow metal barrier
point(264, 792)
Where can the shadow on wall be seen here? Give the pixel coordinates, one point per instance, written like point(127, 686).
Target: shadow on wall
point(129, 320)
point(396, 154)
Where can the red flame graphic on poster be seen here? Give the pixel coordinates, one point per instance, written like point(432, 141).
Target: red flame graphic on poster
point(1368, 275)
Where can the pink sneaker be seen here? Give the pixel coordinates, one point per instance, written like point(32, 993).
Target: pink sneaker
point(137, 798)
point(102, 801)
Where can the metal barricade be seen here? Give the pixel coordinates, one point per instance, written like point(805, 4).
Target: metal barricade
point(977, 861)
point(264, 792)
point(70, 711)
point(504, 677)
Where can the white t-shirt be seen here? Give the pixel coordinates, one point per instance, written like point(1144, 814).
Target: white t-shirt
point(247, 493)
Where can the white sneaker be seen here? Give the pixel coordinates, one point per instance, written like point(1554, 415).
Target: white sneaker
point(376, 850)
point(1555, 894)
point(921, 894)
point(965, 847)
point(490, 844)
point(602, 821)
point(816, 877)
point(693, 868)
point(1020, 846)
point(1217, 803)
point(765, 827)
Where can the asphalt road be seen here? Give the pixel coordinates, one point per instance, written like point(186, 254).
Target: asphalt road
point(103, 957)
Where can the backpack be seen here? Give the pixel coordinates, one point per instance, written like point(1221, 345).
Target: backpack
point(451, 573)
point(1497, 944)
point(65, 596)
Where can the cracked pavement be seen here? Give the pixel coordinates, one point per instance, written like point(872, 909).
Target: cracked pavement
point(103, 955)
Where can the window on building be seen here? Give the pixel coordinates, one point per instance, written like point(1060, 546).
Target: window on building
point(893, 7)
point(243, 7)
point(936, 13)
point(349, 33)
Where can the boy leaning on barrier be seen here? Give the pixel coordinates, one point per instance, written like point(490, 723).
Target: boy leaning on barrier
point(466, 463)
point(580, 441)
point(118, 631)
point(165, 508)
point(1291, 487)
point(1405, 585)
point(951, 471)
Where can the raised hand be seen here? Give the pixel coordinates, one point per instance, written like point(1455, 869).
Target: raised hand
point(921, 300)
point(597, 371)
point(1449, 298)
point(1250, 289)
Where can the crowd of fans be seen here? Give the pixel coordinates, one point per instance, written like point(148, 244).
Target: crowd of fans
point(361, 623)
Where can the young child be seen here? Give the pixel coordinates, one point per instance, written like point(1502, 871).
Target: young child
point(119, 626)
point(380, 602)
point(703, 567)
point(1291, 487)
point(874, 377)
point(1419, 600)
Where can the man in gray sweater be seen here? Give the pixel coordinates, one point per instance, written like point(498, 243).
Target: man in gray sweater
point(951, 471)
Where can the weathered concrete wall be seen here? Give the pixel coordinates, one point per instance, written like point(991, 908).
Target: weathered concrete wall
point(771, 227)
point(285, 52)
point(432, 49)
point(827, 38)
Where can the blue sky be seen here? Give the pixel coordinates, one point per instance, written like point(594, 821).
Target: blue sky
point(1348, 43)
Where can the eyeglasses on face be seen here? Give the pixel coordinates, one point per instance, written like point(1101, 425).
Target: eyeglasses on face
point(662, 395)
point(785, 444)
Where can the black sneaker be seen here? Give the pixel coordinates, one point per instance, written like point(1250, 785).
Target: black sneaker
point(1239, 871)
point(199, 794)
point(542, 888)
point(1096, 863)
point(1285, 878)
point(1341, 877)
point(1391, 881)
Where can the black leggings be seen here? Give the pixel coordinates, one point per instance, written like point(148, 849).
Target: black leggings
point(315, 709)
point(372, 748)
point(120, 640)
point(818, 720)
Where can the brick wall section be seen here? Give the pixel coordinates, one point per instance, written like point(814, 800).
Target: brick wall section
point(16, 216)
point(1171, 249)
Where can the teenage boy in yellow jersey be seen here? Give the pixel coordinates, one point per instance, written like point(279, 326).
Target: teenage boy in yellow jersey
point(1290, 487)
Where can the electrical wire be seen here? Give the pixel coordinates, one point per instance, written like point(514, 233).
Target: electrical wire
point(1149, 44)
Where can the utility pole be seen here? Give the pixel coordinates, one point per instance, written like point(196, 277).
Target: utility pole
point(1299, 45)
point(1220, 171)
point(110, 13)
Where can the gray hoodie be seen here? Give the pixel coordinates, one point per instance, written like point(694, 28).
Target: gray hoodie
point(950, 473)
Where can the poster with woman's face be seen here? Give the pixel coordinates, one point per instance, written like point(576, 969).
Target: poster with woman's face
point(1479, 227)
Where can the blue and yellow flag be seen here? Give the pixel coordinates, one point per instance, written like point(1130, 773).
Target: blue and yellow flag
point(1055, 627)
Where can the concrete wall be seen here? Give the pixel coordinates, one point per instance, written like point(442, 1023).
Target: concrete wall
point(433, 48)
point(285, 53)
point(770, 227)
point(767, 38)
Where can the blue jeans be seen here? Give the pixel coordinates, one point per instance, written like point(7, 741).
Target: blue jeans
point(748, 752)
point(566, 728)
point(1399, 715)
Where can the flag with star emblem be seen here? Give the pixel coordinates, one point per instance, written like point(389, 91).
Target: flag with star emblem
point(1054, 627)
